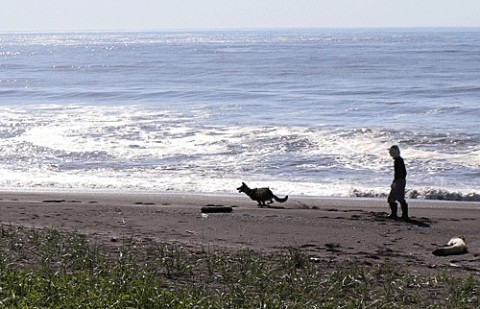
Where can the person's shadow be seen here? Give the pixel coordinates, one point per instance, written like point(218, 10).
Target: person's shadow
point(424, 223)
point(421, 222)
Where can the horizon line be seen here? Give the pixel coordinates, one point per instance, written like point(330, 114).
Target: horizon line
point(241, 29)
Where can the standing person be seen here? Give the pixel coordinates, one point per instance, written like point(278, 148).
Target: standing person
point(397, 192)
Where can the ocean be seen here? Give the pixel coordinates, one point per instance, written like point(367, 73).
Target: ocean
point(307, 112)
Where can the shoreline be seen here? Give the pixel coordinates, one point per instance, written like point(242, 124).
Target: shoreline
point(325, 228)
point(419, 194)
point(232, 195)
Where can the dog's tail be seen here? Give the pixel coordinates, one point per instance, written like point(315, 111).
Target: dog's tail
point(280, 200)
point(450, 250)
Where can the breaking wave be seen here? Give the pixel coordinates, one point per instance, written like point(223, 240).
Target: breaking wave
point(426, 194)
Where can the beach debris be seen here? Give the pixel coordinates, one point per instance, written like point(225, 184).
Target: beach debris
point(455, 246)
point(216, 209)
point(54, 201)
point(454, 265)
point(145, 203)
point(333, 247)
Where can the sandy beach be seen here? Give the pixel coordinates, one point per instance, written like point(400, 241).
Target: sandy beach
point(326, 228)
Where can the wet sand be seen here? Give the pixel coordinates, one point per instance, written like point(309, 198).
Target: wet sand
point(326, 228)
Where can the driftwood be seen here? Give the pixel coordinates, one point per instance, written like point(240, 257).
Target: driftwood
point(216, 209)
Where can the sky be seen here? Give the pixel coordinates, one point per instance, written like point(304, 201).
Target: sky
point(137, 15)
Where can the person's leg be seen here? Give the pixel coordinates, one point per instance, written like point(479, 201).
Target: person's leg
point(392, 203)
point(400, 197)
point(404, 206)
point(393, 210)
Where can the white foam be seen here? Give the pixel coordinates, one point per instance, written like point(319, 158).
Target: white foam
point(110, 147)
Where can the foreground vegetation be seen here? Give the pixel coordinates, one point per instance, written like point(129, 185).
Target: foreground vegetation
point(49, 269)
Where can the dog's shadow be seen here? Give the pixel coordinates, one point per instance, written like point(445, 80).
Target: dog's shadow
point(272, 206)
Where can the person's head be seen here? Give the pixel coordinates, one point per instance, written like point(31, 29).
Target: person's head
point(394, 151)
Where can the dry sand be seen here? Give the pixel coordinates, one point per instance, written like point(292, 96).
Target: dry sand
point(326, 228)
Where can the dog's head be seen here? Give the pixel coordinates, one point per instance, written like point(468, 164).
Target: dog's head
point(242, 187)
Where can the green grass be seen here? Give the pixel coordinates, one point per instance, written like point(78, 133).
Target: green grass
point(50, 269)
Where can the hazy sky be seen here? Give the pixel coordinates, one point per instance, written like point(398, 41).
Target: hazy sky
point(112, 15)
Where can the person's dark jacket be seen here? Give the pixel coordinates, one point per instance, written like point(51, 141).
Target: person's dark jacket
point(400, 170)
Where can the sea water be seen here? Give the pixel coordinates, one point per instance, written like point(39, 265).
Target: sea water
point(305, 112)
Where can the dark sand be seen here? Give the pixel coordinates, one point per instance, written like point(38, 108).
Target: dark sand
point(326, 228)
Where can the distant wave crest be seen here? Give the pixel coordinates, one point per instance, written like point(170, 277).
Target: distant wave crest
point(427, 194)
